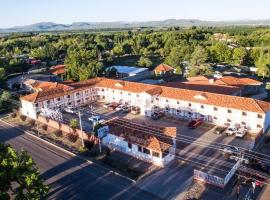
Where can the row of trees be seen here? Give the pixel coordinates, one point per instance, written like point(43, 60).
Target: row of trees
point(85, 54)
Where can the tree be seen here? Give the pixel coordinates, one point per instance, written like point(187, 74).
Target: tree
point(220, 52)
point(73, 123)
point(263, 64)
point(239, 55)
point(199, 56)
point(144, 62)
point(19, 168)
point(2, 74)
point(202, 70)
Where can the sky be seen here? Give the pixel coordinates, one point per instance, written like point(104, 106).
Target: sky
point(24, 12)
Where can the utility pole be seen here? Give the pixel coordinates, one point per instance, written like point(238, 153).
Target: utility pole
point(80, 120)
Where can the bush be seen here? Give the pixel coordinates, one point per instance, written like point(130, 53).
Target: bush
point(44, 127)
point(73, 137)
point(58, 133)
point(13, 115)
point(32, 122)
point(73, 123)
point(23, 117)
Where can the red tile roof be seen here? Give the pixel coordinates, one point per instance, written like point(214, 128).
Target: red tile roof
point(234, 102)
point(163, 68)
point(58, 69)
point(159, 140)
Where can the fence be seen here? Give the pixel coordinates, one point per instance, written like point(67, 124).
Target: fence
point(209, 178)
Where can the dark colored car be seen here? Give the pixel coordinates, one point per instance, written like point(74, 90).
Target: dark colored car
point(195, 123)
point(157, 115)
point(219, 130)
point(113, 106)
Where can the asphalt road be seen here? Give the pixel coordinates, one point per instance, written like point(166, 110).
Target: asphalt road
point(70, 177)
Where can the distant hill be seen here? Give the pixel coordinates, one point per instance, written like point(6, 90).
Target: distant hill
point(50, 26)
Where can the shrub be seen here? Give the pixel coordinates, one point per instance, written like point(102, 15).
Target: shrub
point(32, 122)
point(13, 115)
point(23, 117)
point(58, 133)
point(44, 127)
point(73, 137)
point(73, 123)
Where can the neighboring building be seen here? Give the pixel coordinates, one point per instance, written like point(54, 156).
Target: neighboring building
point(179, 103)
point(130, 138)
point(226, 85)
point(59, 70)
point(164, 70)
point(128, 71)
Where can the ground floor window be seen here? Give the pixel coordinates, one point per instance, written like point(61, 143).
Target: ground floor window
point(146, 151)
point(130, 145)
point(140, 149)
point(259, 126)
point(155, 154)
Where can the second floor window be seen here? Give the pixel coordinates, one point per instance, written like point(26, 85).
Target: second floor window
point(244, 113)
point(215, 109)
point(229, 111)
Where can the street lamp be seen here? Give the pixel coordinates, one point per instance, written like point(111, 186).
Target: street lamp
point(80, 120)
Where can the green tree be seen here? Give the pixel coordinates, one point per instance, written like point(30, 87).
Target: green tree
point(199, 56)
point(2, 74)
point(144, 62)
point(263, 64)
point(19, 176)
point(73, 123)
point(220, 53)
point(238, 55)
point(118, 50)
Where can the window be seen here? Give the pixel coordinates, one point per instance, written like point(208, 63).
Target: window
point(87, 98)
point(140, 149)
point(243, 123)
point(228, 120)
point(178, 111)
point(77, 93)
point(69, 104)
point(155, 154)
point(137, 95)
point(189, 104)
point(167, 109)
point(215, 109)
point(146, 151)
point(102, 90)
point(68, 96)
point(48, 102)
point(103, 97)
point(113, 91)
point(259, 116)
point(58, 99)
point(121, 92)
point(229, 111)
point(259, 126)
point(157, 99)
point(244, 113)
point(167, 100)
point(129, 145)
point(178, 102)
point(215, 118)
point(36, 104)
point(202, 106)
point(86, 91)
point(129, 94)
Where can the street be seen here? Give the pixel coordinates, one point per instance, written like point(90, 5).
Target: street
point(68, 176)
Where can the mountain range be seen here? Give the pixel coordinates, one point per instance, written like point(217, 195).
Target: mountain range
point(50, 26)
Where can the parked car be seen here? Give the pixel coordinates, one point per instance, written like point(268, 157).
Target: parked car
point(217, 75)
point(219, 130)
point(113, 105)
point(95, 118)
point(69, 110)
point(126, 109)
point(231, 131)
point(231, 150)
point(157, 115)
point(135, 110)
point(241, 132)
point(195, 123)
point(120, 107)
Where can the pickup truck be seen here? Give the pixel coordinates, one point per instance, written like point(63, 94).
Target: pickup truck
point(195, 123)
point(95, 118)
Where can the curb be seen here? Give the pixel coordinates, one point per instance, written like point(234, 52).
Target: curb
point(68, 152)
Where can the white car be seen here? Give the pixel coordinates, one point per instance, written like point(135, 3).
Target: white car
point(217, 75)
point(69, 110)
point(231, 150)
point(241, 132)
point(231, 131)
point(95, 118)
point(120, 107)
